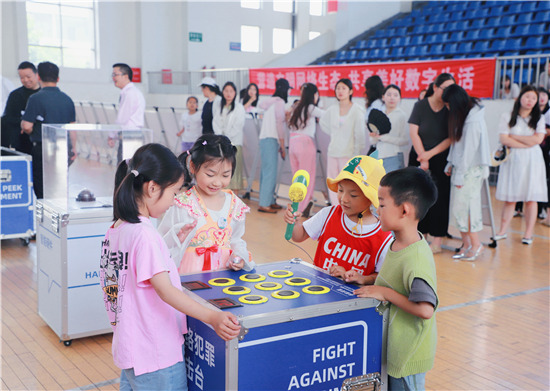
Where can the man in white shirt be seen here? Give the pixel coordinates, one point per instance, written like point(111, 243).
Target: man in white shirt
point(131, 110)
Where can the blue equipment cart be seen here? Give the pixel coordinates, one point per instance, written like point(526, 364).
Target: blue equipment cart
point(16, 196)
point(301, 330)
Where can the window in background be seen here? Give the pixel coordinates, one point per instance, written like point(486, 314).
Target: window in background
point(313, 34)
point(316, 7)
point(250, 39)
point(283, 6)
point(253, 4)
point(63, 33)
point(282, 41)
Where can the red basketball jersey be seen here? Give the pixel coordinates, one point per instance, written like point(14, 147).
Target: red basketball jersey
point(338, 245)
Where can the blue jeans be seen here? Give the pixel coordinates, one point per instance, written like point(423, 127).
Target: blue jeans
point(393, 163)
point(269, 149)
point(173, 378)
point(408, 383)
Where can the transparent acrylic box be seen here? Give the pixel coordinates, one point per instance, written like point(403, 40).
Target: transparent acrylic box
point(98, 148)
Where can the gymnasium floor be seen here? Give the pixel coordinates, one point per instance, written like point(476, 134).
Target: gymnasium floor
point(493, 322)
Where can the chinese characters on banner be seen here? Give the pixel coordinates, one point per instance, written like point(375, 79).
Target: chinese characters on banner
point(204, 351)
point(476, 76)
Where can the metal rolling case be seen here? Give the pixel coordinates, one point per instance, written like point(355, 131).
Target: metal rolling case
point(301, 330)
point(72, 220)
point(16, 196)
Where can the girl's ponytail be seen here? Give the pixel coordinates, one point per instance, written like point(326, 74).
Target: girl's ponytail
point(151, 162)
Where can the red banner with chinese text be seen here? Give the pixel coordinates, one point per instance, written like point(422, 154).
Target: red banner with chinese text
point(476, 76)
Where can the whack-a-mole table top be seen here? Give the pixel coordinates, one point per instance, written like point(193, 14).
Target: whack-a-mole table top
point(268, 288)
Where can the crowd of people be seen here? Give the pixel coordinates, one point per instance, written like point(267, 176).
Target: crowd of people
point(380, 208)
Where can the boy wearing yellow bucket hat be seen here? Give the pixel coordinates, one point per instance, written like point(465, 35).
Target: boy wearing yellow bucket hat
point(350, 236)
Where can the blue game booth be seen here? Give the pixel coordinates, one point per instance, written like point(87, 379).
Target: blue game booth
point(301, 330)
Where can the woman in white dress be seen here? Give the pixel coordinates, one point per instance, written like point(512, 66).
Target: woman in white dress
point(522, 177)
point(229, 119)
point(468, 165)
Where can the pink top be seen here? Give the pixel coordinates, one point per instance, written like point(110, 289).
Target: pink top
point(148, 333)
point(131, 109)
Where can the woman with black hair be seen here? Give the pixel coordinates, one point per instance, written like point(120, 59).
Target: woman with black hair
point(250, 97)
point(428, 127)
point(509, 90)
point(374, 91)
point(345, 124)
point(211, 91)
point(229, 118)
point(468, 165)
point(301, 145)
point(522, 177)
point(272, 142)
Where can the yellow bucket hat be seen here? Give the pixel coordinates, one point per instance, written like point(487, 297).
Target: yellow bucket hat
point(366, 172)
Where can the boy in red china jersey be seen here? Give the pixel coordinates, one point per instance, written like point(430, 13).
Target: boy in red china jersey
point(350, 236)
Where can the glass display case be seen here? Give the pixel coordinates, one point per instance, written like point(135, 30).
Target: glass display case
point(79, 163)
point(84, 158)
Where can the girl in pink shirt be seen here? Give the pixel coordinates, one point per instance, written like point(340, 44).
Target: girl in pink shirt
point(141, 286)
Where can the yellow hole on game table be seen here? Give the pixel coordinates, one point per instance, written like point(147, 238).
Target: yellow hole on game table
point(253, 277)
point(253, 299)
point(316, 289)
point(280, 273)
point(297, 281)
point(268, 286)
point(221, 282)
point(236, 290)
point(285, 294)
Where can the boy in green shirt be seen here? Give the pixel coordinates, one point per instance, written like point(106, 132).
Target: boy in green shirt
point(407, 279)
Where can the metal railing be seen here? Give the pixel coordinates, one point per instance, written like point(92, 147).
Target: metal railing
point(522, 70)
point(178, 82)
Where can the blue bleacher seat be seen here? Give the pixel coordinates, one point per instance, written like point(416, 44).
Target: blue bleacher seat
point(455, 16)
point(487, 34)
point(363, 56)
point(416, 12)
point(528, 6)
point(480, 46)
point(473, 55)
point(399, 23)
point(536, 29)
point(457, 36)
point(493, 22)
point(441, 38)
point(400, 41)
point(525, 18)
point(340, 56)
point(400, 32)
point(420, 29)
point(503, 32)
point(473, 4)
point(384, 42)
point(491, 4)
point(513, 44)
point(472, 35)
point(476, 13)
point(458, 26)
point(384, 54)
point(478, 24)
point(450, 48)
point(438, 28)
point(459, 56)
point(523, 77)
point(464, 47)
point(543, 6)
point(514, 8)
point(373, 54)
point(360, 45)
point(417, 40)
point(532, 43)
point(351, 55)
point(422, 50)
point(420, 20)
point(439, 18)
point(507, 20)
point(410, 51)
point(542, 17)
point(436, 50)
point(460, 5)
point(521, 30)
point(496, 11)
point(372, 43)
point(498, 45)
point(397, 52)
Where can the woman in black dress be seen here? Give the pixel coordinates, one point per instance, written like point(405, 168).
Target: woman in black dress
point(429, 134)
